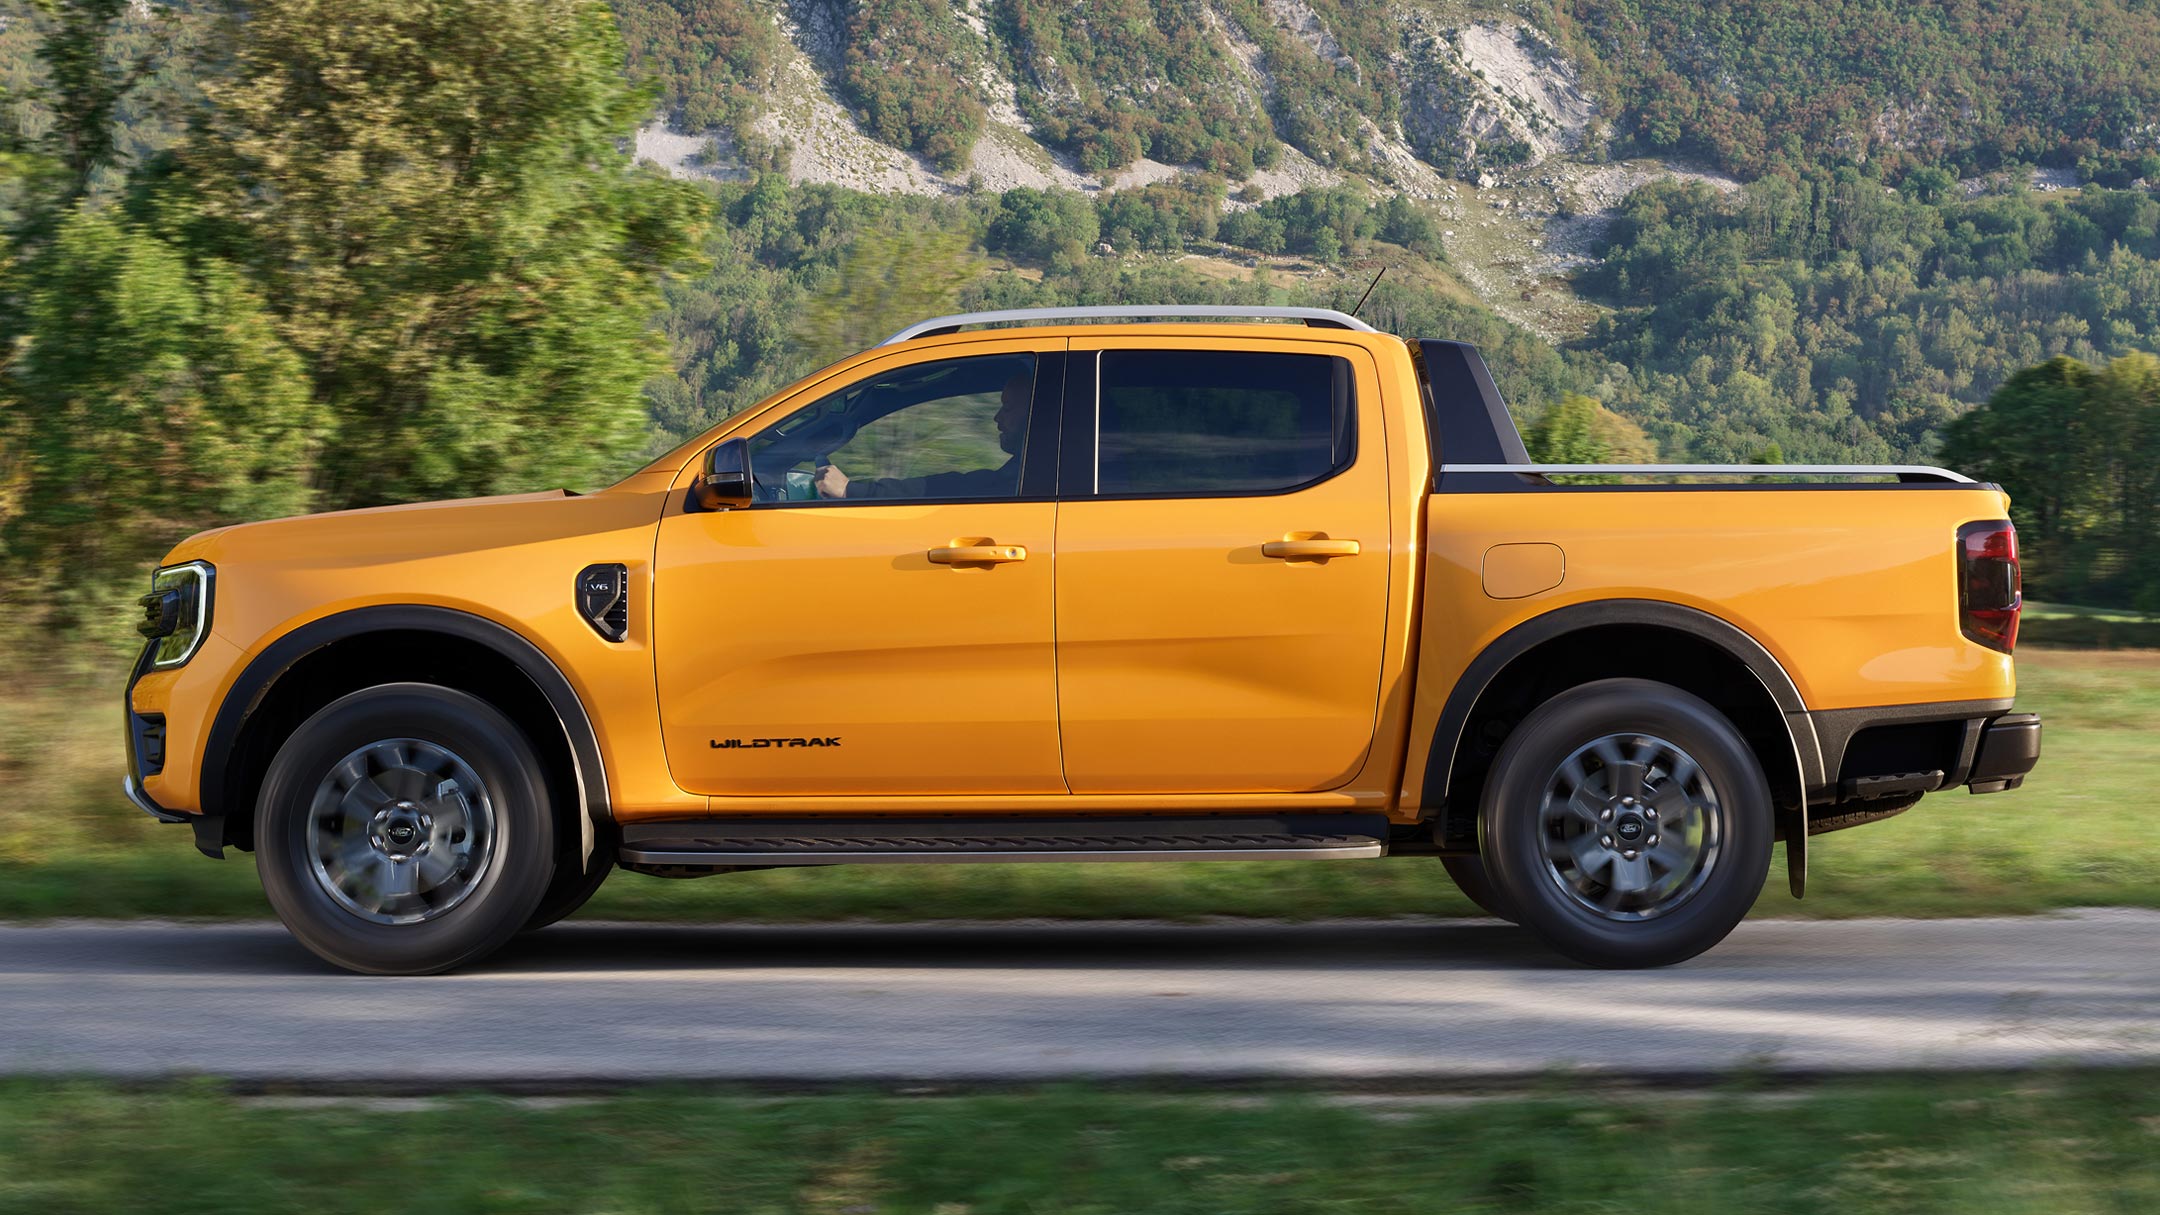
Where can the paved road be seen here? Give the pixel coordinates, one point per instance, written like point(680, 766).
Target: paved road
point(1396, 1002)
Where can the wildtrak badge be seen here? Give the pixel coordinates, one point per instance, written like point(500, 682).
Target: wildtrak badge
point(754, 743)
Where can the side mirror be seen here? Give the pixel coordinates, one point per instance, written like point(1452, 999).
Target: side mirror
point(726, 482)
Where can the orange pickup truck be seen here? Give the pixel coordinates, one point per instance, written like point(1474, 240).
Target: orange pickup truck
point(1252, 583)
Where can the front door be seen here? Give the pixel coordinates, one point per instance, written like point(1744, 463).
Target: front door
point(879, 622)
point(1222, 565)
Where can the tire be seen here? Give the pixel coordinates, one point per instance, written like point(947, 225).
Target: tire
point(574, 883)
point(1476, 885)
point(1599, 768)
point(405, 829)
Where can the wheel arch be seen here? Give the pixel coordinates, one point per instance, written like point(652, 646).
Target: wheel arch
point(317, 662)
point(1580, 643)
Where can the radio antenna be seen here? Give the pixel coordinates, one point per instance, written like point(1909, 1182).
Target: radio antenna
point(1368, 290)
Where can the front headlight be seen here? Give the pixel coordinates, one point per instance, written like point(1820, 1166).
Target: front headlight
point(176, 612)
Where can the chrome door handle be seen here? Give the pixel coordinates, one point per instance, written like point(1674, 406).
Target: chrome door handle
point(978, 554)
point(1306, 550)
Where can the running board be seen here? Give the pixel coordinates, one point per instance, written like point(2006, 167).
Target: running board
point(716, 844)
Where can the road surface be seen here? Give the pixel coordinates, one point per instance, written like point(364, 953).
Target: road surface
point(1390, 1003)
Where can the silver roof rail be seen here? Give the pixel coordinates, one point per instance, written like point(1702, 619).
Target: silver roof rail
point(1903, 472)
point(1326, 318)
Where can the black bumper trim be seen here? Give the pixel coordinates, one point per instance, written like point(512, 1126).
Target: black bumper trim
point(2009, 748)
point(1835, 728)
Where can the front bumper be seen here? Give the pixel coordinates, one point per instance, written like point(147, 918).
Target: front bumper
point(144, 734)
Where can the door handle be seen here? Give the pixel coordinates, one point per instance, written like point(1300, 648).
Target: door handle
point(978, 554)
point(1317, 547)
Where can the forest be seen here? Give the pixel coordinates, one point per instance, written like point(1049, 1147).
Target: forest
point(322, 300)
point(1759, 85)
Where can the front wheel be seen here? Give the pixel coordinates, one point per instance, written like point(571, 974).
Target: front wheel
point(404, 829)
point(1627, 823)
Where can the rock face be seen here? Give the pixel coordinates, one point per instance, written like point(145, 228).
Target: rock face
point(1486, 98)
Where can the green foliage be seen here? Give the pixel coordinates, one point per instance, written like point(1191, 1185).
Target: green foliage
point(1326, 84)
point(910, 67)
point(155, 400)
point(1843, 320)
point(396, 253)
point(1054, 226)
point(712, 60)
point(92, 87)
point(431, 199)
point(1164, 215)
point(888, 281)
point(1564, 433)
point(2063, 1141)
point(1762, 84)
point(733, 329)
point(1114, 80)
point(2079, 452)
point(1328, 223)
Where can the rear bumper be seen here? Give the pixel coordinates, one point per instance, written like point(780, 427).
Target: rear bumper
point(2009, 748)
point(1895, 751)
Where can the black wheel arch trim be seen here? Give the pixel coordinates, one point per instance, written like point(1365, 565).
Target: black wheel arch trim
point(1470, 688)
point(279, 657)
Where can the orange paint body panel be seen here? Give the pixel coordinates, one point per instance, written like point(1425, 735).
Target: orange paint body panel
point(511, 560)
point(1146, 656)
point(1852, 591)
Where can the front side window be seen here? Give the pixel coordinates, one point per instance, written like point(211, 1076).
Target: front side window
point(955, 428)
point(1180, 422)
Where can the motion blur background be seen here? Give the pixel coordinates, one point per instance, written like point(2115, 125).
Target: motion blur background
point(301, 255)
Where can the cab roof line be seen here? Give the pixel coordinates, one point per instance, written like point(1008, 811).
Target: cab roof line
point(1903, 472)
point(1324, 318)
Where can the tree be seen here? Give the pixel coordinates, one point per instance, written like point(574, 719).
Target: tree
point(888, 281)
point(1565, 433)
point(2032, 438)
point(430, 197)
point(157, 400)
point(1044, 225)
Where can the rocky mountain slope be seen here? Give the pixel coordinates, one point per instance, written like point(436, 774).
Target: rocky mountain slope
point(1482, 116)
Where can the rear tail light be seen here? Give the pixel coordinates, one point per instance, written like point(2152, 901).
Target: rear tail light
point(1989, 585)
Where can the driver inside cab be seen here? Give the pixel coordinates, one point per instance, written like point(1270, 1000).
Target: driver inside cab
point(1011, 419)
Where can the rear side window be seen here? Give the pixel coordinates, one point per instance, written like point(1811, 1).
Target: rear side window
point(1220, 422)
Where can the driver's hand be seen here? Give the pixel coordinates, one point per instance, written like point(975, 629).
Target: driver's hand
point(831, 482)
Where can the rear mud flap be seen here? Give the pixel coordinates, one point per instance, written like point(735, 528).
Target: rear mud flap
point(1794, 821)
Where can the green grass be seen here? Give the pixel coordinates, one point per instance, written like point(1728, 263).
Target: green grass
point(2038, 1145)
point(2071, 611)
point(2076, 835)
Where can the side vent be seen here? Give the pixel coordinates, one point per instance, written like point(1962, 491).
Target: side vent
point(603, 598)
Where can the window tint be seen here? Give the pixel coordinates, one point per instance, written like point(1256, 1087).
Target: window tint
point(1200, 422)
point(956, 428)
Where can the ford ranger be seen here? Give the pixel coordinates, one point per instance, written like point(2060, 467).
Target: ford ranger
point(1086, 585)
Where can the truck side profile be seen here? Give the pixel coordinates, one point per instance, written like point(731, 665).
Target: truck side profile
point(1094, 584)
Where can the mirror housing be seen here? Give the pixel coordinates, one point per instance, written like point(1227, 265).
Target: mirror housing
point(725, 484)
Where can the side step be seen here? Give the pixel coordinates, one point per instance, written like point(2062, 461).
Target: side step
point(721, 843)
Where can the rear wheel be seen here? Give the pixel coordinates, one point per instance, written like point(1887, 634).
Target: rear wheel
point(404, 829)
point(1628, 824)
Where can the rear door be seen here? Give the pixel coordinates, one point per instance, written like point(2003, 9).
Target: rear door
point(1223, 552)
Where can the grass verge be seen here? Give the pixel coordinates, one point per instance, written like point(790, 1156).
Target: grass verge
point(70, 846)
point(2063, 1145)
